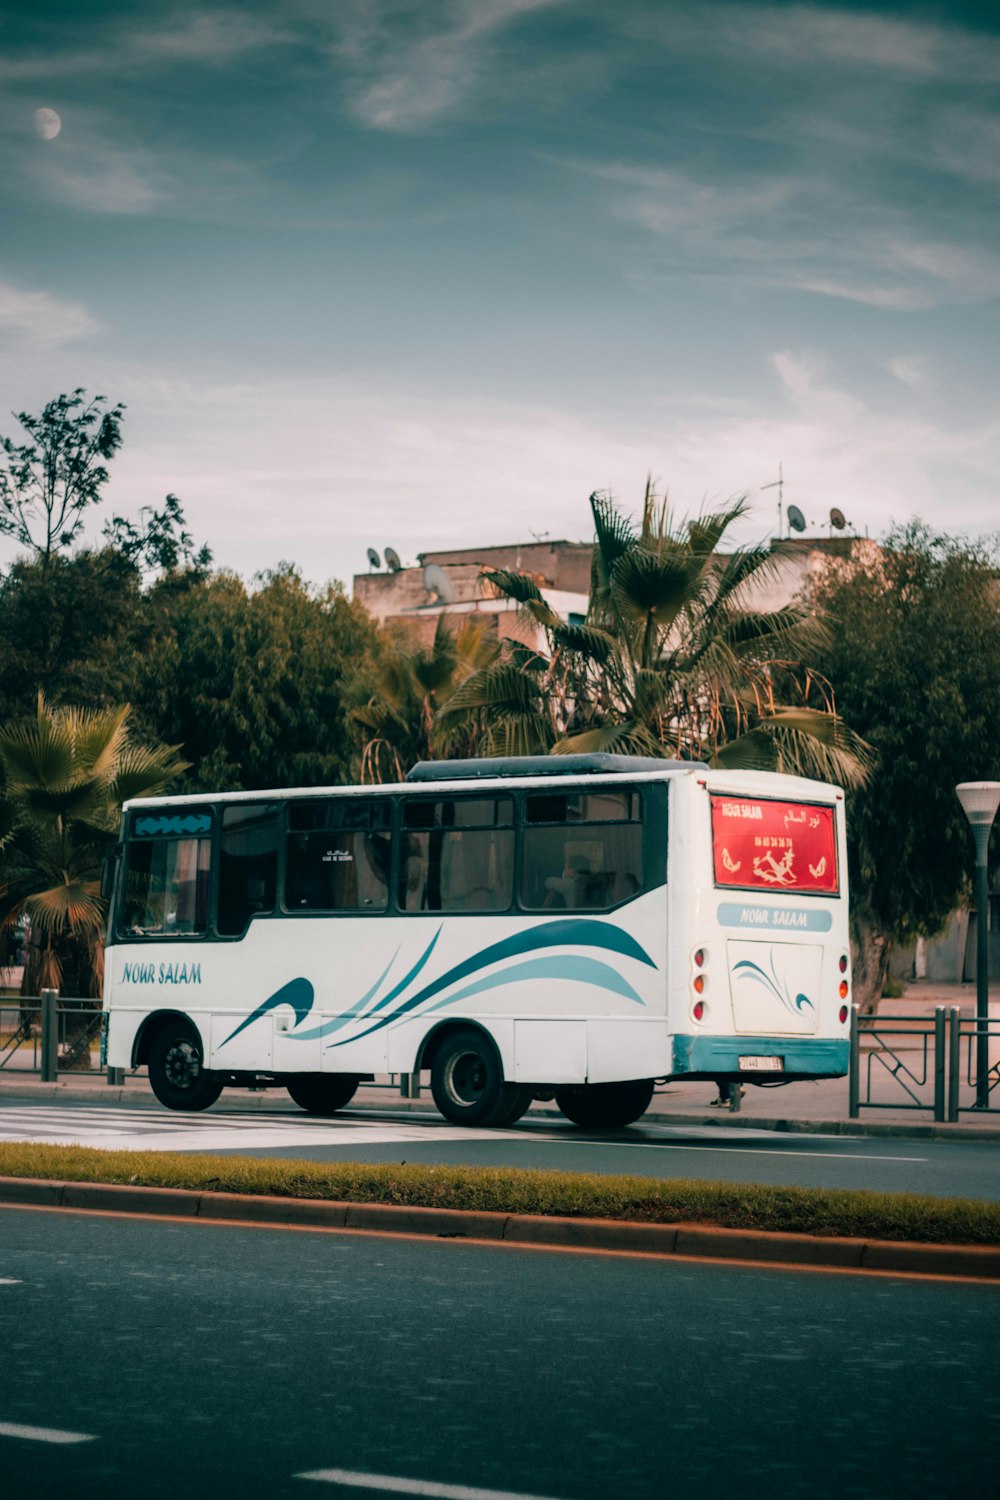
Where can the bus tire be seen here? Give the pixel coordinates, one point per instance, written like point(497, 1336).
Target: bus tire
point(467, 1081)
point(605, 1105)
point(322, 1093)
point(176, 1072)
point(515, 1101)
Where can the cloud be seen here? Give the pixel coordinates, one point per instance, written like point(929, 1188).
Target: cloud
point(800, 36)
point(90, 166)
point(402, 463)
point(796, 231)
point(102, 177)
point(210, 38)
point(404, 80)
point(38, 318)
point(912, 370)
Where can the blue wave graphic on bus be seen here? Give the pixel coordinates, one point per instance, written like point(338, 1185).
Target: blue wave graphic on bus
point(298, 993)
point(756, 975)
point(548, 935)
point(583, 969)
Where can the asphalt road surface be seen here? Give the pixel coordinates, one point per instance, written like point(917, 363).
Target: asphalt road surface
point(733, 1154)
point(168, 1359)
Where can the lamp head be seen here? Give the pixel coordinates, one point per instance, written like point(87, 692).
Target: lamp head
point(980, 799)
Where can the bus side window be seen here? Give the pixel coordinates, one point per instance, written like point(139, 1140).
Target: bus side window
point(248, 865)
point(339, 851)
point(582, 850)
point(457, 854)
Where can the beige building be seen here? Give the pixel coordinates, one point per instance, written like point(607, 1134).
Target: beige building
point(451, 583)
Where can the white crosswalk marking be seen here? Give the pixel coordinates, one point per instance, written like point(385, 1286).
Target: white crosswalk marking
point(115, 1128)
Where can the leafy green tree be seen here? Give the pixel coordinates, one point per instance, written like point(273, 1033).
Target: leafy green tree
point(74, 630)
point(914, 657)
point(48, 483)
point(256, 686)
point(401, 722)
point(158, 541)
point(671, 660)
point(65, 773)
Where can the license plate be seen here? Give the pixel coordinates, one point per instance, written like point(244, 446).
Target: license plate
point(762, 1064)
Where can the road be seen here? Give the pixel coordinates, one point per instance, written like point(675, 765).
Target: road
point(201, 1360)
point(884, 1164)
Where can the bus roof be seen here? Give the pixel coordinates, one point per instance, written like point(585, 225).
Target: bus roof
point(597, 764)
point(564, 768)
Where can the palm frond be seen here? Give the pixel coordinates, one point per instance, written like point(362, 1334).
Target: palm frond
point(510, 585)
point(73, 907)
point(706, 531)
point(625, 738)
point(589, 640)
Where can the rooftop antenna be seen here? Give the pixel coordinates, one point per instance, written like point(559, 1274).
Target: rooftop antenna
point(796, 520)
point(779, 485)
point(374, 561)
point(392, 561)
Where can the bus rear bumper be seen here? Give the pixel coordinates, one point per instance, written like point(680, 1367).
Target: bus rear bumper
point(801, 1057)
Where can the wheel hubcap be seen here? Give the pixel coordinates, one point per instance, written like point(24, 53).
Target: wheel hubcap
point(465, 1079)
point(182, 1065)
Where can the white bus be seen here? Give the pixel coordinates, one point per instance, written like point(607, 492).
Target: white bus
point(580, 927)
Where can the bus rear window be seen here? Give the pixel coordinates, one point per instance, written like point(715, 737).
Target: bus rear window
point(762, 845)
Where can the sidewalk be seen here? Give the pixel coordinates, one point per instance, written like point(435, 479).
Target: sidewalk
point(819, 1107)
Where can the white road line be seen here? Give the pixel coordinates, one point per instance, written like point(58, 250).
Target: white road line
point(748, 1151)
point(43, 1434)
point(410, 1486)
point(9, 1281)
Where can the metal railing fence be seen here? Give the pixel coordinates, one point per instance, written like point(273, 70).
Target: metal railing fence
point(46, 1035)
point(909, 1064)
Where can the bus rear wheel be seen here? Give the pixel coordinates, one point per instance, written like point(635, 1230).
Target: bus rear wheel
point(322, 1093)
point(468, 1084)
point(605, 1105)
point(176, 1072)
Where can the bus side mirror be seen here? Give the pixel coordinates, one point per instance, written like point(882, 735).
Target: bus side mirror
point(108, 871)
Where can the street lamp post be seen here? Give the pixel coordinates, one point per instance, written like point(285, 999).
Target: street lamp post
point(980, 799)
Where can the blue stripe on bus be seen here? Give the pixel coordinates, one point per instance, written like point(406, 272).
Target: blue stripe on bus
point(573, 932)
point(299, 993)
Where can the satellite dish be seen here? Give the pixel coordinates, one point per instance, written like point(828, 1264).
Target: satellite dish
point(392, 561)
point(374, 561)
point(796, 519)
point(437, 582)
point(837, 519)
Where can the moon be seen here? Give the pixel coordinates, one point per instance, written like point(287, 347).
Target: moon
point(47, 124)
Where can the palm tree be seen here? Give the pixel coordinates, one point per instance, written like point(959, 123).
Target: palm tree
point(670, 660)
point(399, 723)
point(65, 773)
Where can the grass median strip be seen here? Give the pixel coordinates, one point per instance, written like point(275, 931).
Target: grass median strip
point(818, 1211)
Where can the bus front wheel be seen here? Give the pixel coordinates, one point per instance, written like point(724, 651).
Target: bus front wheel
point(468, 1084)
point(605, 1105)
point(322, 1093)
point(176, 1072)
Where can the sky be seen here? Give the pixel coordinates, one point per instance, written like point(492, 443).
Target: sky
point(377, 272)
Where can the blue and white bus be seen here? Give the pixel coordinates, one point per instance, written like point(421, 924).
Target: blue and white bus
point(581, 927)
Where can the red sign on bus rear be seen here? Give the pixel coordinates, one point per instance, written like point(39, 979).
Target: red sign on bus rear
point(760, 845)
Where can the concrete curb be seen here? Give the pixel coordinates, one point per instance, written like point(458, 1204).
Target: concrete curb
point(698, 1241)
point(246, 1103)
